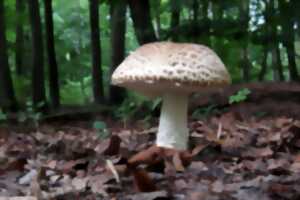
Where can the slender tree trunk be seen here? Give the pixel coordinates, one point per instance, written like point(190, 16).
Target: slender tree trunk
point(118, 27)
point(140, 14)
point(273, 39)
point(276, 64)
point(293, 71)
point(274, 42)
point(279, 63)
point(244, 53)
point(53, 71)
point(264, 65)
point(288, 34)
point(38, 84)
point(157, 12)
point(19, 36)
point(175, 18)
point(195, 9)
point(96, 52)
point(245, 63)
point(217, 9)
point(204, 9)
point(206, 21)
point(7, 96)
point(217, 17)
point(296, 14)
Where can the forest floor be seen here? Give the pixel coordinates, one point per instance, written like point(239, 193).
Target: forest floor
point(230, 157)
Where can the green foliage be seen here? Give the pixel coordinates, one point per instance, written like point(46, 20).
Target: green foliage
point(101, 129)
point(240, 96)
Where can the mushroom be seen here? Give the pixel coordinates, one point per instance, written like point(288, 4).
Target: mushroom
point(172, 71)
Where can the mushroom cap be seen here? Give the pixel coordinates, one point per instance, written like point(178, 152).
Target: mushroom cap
point(158, 67)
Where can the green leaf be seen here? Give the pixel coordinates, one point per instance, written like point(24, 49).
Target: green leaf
point(240, 96)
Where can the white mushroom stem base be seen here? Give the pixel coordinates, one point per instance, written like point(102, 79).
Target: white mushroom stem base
point(172, 130)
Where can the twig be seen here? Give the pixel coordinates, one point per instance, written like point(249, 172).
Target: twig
point(219, 133)
point(112, 168)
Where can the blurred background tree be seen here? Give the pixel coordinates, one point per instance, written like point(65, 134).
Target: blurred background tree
point(57, 53)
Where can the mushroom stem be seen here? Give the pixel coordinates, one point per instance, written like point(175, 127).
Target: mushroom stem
point(172, 130)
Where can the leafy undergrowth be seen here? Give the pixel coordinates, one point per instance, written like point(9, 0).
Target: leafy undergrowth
point(230, 159)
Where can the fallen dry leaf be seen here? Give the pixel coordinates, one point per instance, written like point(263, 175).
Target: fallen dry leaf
point(142, 181)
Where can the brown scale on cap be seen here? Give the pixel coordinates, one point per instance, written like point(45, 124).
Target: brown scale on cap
point(179, 67)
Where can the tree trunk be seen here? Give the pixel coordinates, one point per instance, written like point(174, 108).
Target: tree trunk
point(140, 14)
point(288, 34)
point(53, 71)
point(279, 64)
point(96, 52)
point(19, 37)
point(276, 64)
point(175, 18)
point(204, 9)
point(296, 14)
point(7, 96)
point(293, 71)
point(245, 63)
point(244, 55)
point(195, 8)
point(118, 27)
point(266, 45)
point(217, 10)
point(38, 84)
point(264, 65)
point(157, 11)
point(274, 42)
point(206, 21)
